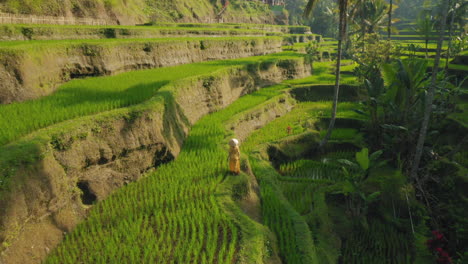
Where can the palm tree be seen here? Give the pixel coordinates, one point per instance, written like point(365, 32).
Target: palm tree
point(452, 20)
point(390, 12)
point(343, 8)
point(369, 16)
point(457, 13)
point(425, 27)
point(430, 95)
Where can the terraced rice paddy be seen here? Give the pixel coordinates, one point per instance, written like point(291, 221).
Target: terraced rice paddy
point(35, 32)
point(36, 45)
point(176, 214)
point(181, 201)
point(90, 96)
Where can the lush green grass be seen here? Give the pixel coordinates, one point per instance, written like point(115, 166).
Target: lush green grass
point(348, 68)
point(324, 79)
point(94, 95)
point(442, 63)
point(40, 44)
point(35, 32)
point(323, 73)
point(295, 240)
point(376, 244)
point(178, 27)
point(302, 118)
point(415, 37)
point(414, 31)
point(282, 28)
point(419, 54)
point(175, 214)
point(299, 194)
point(420, 44)
point(345, 134)
point(311, 169)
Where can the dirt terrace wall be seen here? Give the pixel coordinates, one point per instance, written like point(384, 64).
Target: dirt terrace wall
point(29, 73)
point(102, 153)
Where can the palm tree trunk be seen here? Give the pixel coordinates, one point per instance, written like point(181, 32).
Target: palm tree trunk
point(427, 42)
point(452, 20)
point(430, 97)
point(343, 5)
point(389, 29)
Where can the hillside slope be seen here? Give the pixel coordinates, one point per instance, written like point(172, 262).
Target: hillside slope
point(126, 12)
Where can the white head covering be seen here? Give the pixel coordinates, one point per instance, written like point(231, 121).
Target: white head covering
point(233, 142)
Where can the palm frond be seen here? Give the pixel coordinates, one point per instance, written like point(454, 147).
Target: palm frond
point(309, 7)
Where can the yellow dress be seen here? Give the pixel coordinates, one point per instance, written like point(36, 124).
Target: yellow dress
point(234, 160)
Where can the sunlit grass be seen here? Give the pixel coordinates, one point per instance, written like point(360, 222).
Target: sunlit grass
point(301, 119)
point(38, 44)
point(90, 96)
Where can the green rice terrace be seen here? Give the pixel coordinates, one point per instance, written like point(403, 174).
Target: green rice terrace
point(233, 132)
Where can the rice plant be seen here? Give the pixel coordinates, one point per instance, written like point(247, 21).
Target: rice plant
point(311, 169)
point(344, 134)
point(299, 194)
point(301, 119)
point(294, 237)
point(380, 243)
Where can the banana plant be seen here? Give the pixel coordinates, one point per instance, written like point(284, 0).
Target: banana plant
point(406, 82)
point(356, 172)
